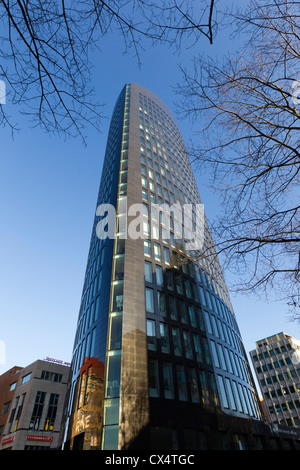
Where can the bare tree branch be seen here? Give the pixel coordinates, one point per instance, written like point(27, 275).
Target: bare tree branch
point(45, 48)
point(248, 121)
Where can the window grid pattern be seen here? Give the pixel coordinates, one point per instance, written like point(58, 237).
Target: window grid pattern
point(113, 370)
point(91, 306)
point(167, 179)
point(278, 372)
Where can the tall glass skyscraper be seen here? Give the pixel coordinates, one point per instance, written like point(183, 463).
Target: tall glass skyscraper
point(158, 359)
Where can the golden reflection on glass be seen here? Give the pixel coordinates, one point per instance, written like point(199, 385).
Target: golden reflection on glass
point(88, 404)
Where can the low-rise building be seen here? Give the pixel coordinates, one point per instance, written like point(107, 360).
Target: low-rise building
point(35, 412)
point(8, 383)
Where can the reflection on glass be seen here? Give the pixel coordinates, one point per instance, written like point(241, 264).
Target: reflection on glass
point(122, 208)
point(221, 356)
point(159, 275)
point(203, 300)
point(110, 437)
point(115, 332)
point(179, 285)
point(111, 412)
point(151, 336)
point(187, 286)
point(147, 248)
point(224, 399)
point(120, 246)
point(168, 380)
point(121, 223)
point(208, 324)
point(214, 389)
point(182, 311)
point(167, 255)
point(88, 345)
point(199, 316)
point(169, 278)
point(192, 315)
point(157, 251)
point(117, 296)
point(176, 341)
point(113, 376)
point(164, 336)
point(88, 394)
point(194, 386)
point(204, 387)
point(119, 268)
point(187, 345)
point(155, 231)
point(161, 303)
point(172, 307)
point(149, 300)
point(197, 347)
point(181, 383)
point(214, 354)
point(153, 378)
point(206, 351)
point(230, 394)
point(148, 271)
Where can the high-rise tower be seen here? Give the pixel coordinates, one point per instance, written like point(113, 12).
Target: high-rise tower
point(276, 361)
point(158, 358)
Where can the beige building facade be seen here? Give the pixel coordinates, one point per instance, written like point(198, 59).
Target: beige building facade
point(276, 361)
point(36, 410)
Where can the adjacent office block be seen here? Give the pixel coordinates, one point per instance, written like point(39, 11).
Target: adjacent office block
point(158, 359)
point(276, 360)
point(35, 410)
point(8, 383)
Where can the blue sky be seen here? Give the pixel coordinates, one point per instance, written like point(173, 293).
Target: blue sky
point(48, 191)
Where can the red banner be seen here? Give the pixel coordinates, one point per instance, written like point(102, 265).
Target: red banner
point(7, 440)
point(39, 438)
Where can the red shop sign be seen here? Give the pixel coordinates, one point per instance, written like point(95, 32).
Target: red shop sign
point(7, 440)
point(39, 438)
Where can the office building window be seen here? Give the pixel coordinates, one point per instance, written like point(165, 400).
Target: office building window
point(176, 342)
point(182, 311)
point(164, 337)
point(115, 332)
point(157, 251)
point(151, 335)
point(149, 300)
point(113, 376)
point(172, 307)
point(153, 378)
point(181, 382)
point(168, 380)
point(187, 345)
point(37, 410)
point(148, 271)
point(161, 300)
point(147, 248)
point(51, 376)
point(223, 395)
point(26, 378)
point(204, 388)
point(159, 275)
point(51, 413)
point(194, 385)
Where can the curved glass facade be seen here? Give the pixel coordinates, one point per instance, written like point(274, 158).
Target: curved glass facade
point(84, 410)
point(158, 356)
